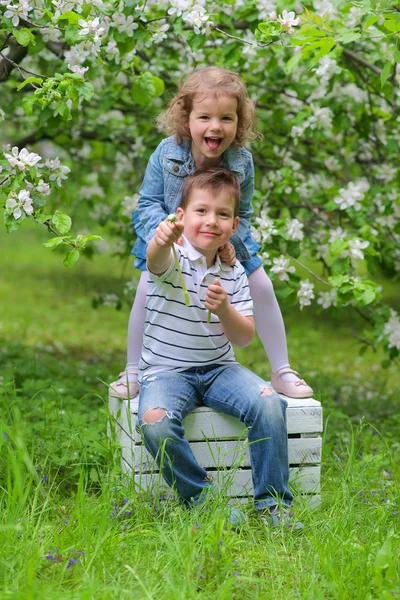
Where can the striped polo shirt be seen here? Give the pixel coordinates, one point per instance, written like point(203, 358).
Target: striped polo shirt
point(176, 336)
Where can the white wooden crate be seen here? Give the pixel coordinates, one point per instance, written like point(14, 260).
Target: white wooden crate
point(219, 444)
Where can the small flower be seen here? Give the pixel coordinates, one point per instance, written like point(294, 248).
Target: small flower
point(71, 562)
point(282, 268)
point(327, 299)
point(288, 19)
point(43, 188)
point(294, 229)
point(355, 249)
point(22, 159)
point(273, 16)
point(305, 293)
point(24, 203)
point(78, 69)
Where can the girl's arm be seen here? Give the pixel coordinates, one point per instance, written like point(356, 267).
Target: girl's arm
point(151, 204)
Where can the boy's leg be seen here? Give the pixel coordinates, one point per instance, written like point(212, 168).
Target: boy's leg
point(236, 391)
point(165, 400)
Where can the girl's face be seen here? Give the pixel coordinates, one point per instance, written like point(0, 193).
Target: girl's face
point(213, 124)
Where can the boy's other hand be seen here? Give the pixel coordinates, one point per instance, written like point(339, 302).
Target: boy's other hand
point(216, 298)
point(227, 253)
point(167, 233)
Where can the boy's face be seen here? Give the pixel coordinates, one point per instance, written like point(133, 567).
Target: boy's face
point(209, 220)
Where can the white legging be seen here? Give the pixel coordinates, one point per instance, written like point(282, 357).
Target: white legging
point(267, 317)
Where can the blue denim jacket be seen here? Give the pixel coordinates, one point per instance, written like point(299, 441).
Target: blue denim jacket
point(161, 190)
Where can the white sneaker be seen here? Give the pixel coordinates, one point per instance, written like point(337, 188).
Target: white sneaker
point(124, 389)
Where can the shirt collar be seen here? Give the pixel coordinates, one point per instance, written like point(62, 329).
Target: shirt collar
point(194, 254)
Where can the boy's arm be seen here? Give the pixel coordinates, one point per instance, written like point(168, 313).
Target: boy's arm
point(159, 255)
point(237, 328)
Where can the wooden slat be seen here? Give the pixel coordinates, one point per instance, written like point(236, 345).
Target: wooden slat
point(203, 422)
point(223, 454)
point(238, 482)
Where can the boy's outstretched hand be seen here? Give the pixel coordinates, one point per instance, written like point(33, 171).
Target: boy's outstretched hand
point(217, 299)
point(168, 232)
point(227, 253)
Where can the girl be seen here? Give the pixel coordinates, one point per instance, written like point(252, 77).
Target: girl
point(208, 121)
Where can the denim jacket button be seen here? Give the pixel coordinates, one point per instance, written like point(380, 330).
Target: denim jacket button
point(176, 168)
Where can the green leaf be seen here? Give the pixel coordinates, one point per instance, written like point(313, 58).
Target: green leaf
point(397, 56)
point(195, 40)
point(385, 72)
point(85, 89)
point(159, 85)
point(54, 242)
point(27, 103)
point(62, 222)
point(350, 36)
point(143, 89)
point(293, 62)
point(71, 258)
point(367, 297)
point(24, 36)
point(371, 21)
point(337, 247)
point(64, 110)
point(71, 34)
point(70, 16)
point(37, 80)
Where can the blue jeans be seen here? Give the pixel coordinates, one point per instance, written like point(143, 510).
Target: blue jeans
point(230, 389)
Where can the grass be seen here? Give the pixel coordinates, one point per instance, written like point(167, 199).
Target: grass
point(72, 528)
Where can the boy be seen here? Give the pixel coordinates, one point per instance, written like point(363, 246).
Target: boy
point(187, 362)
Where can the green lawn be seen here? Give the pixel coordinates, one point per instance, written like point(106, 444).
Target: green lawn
point(72, 528)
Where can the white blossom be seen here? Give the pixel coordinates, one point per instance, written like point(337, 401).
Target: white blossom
point(352, 195)
point(43, 188)
point(22, 159)
point(327, 67)
point(281, 266)
point(392, 330)
point(91, 27)
point(294, 229)
point(78, 69)
point(334, 234)
point(179, 6)
point(100, 212)
point(24, 202)
point(327, 299)
point(2, 115)
point(124, 24)
point(288, 19)
point(266, 228)
point(110, 300)
point(15, 12)
point(355, 249)
point(59, 171)
point(130, 204)
point(305, 293)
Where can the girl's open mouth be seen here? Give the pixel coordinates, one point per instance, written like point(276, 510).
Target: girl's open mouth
point(213, 142)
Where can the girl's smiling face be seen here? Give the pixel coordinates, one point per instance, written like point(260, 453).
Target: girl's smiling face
point(213, 125)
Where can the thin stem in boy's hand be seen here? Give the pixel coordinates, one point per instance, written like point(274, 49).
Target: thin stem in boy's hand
point(172, 218)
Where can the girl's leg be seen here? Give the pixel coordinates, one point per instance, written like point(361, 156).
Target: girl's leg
point(136, 327)
point(271, 331)
point(127, 385)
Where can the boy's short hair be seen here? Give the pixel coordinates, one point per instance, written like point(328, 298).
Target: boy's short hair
point(214, 179)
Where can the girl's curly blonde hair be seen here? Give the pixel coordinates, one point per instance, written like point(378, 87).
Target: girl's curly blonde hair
point(210, 81)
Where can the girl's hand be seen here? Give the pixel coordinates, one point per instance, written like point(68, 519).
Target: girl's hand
point(227, 253)
point(216, 298)
point(167, 233)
